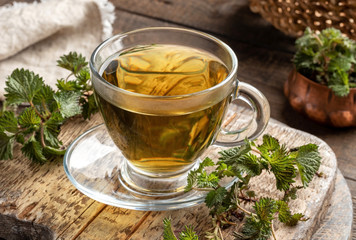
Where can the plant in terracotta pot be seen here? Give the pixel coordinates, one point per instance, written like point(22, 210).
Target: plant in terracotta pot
point(323, 83)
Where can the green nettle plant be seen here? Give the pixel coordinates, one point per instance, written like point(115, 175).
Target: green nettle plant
point(37, 126)
point(246, 162)
point(328, 58)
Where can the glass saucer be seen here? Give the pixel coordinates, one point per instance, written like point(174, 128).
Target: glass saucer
point(93, 164)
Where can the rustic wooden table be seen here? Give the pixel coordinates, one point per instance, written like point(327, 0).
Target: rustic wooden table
point(264, 56)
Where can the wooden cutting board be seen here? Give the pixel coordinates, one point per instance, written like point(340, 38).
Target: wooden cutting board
point(39, 202)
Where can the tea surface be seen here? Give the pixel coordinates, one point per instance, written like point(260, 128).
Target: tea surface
point(165, 70)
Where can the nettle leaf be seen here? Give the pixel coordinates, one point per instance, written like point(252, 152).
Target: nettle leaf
point(193, 176)
point(308, 162)
point(69, 85)
point(265, 208)
point(215, 197)
point(258, 227)
point(73, 62)
point(234, 155)
point(21, 86)
point(188, 234)
point(340, 90)
point(6, 145)
point(84, 76)
point(283, 169)
point(225, 170)
point(251, 165)
point(44, 100)
point(68, 103)
point(205, 180)
point(29, 119)
point(168, 231)
point(51, 136)
point(295, 218)
point(33, 150)
point(51, 129)
point(269, 144)
point(8, 121)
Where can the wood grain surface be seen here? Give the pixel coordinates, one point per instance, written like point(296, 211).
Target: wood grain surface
point(39, 202)
point(264, 61)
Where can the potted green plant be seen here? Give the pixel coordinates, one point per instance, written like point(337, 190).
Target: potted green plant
point(323, 83)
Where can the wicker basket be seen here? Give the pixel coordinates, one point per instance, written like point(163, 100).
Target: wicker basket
point(293, 16)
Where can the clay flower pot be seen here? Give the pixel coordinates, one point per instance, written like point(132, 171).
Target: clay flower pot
point(319, 103)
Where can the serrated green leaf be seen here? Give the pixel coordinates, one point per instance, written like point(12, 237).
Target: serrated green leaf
point(258, 227)
point(51, 129)
point(225, 170)
point(192, 178)
point(51, 136)
point(291, 194)
point(215, 197)
point(340, 90)
point(254, 229)
point(284, 213)
point(73, 62)
point(64, 85)
point(308, 162)
point(284, 172)
point(250, 165)
point(265, 208)
point(269, 144)
point(168, 232)
point(33, 150)
point(29, 119)
point(188, 234)
point(233, 155)
point(21, 86)
point(68, 103)
point(83, 76)
point(205, 180)
point(295, 218)
point(8, 121)
point(6, 145)
point(44, 101)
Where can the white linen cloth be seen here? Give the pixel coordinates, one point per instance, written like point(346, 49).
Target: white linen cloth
point(34, 35)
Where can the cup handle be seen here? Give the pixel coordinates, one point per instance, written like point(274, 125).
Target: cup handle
point(260, 109)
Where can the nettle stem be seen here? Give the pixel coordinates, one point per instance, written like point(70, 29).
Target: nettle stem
point(273, 232)
point(37, 112)
point(256, 151)
point(244, 210)
point(42, 136)
point(71, 74)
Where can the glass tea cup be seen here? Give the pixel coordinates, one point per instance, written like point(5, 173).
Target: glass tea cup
point(162, 137)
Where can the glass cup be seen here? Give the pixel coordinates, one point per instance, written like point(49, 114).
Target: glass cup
point(163, 137)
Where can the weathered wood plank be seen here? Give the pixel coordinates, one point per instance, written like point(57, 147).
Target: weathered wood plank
point(352, 186)
point(41, 194)
point(312, 201)
point(339, 214)
point(225, 17)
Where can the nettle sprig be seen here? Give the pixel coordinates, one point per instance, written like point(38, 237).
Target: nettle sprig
point(246, 162)
point(37, 126)
point(328, 58)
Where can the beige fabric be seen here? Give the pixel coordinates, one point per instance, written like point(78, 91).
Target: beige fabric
point(34, 36)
